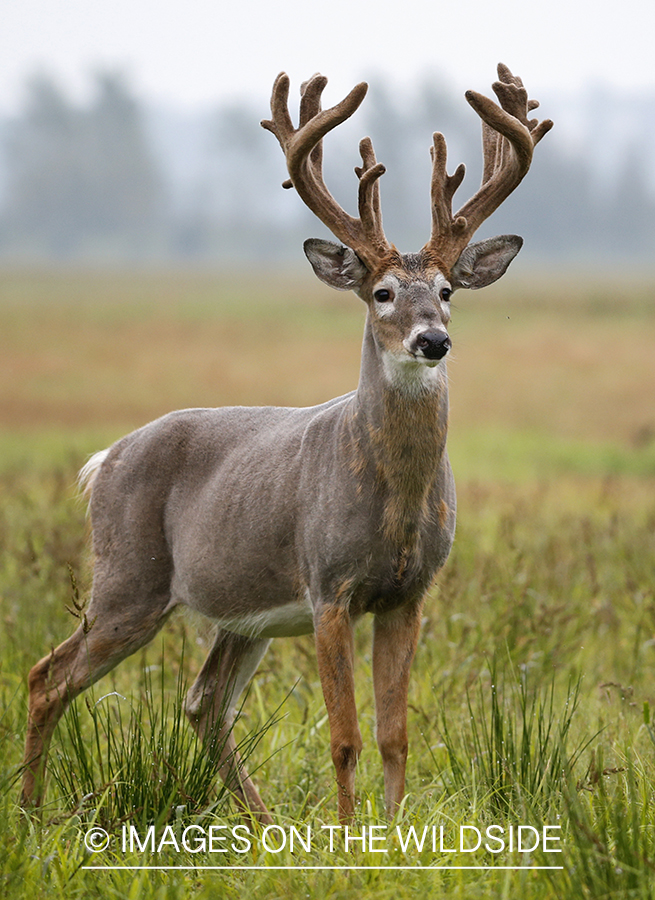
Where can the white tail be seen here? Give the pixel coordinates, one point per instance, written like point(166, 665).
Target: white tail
point(89, 471)
point(277, 522)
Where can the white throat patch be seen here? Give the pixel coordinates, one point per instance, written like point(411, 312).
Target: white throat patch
point(413, 376)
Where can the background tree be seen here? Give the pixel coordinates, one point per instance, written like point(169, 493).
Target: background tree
point(81, 180)
point(116, 180)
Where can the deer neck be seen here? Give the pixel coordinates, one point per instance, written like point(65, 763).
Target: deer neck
point(401, 417)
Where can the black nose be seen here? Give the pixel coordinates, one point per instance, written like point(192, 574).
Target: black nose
point(433, 344)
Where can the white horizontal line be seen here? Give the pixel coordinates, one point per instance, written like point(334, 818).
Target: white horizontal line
point(322, 868)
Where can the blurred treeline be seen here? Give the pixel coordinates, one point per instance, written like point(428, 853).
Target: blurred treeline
point(114, 179)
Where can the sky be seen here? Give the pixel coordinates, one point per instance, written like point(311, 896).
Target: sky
point(195, 53)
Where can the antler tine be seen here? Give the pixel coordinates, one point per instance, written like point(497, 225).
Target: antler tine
point(310, 105)
point(311, 92)
point(303, 151)
point(508, 142)
point(370, 208)
point(280, 124)
point(443, 187)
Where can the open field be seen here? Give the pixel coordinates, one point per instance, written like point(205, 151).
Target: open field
point(564, 363)
point(533, 689)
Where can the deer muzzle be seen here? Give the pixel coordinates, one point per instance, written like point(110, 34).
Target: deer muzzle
point(432, 344)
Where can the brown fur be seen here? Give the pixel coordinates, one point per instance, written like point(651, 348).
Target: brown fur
point(405, 471)
point(444, 512)
point(335, 657)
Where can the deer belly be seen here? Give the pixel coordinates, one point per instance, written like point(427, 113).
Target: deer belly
point(279, 621)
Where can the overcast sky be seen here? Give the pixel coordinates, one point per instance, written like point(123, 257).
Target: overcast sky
point(195, 52)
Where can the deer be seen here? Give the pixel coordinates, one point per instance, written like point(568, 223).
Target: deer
point(275, 521)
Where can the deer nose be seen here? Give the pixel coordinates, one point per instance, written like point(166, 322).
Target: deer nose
point(433, 344)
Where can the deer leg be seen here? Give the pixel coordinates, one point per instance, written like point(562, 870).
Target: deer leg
point(211, 708)
point(114, 632)
point(395, 636)
point(335, 655)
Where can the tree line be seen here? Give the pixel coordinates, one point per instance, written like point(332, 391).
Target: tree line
point(115, 180)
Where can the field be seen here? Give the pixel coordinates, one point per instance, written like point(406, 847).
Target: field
point(532, 701)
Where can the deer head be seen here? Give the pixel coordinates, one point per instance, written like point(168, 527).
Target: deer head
point(408, 294)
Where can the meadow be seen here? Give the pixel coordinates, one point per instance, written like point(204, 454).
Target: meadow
point(532, 701)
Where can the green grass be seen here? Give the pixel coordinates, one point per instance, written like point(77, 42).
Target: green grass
point(532, 691)
point(527, 706)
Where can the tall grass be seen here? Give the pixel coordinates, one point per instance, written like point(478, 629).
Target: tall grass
point(612, 821)
point(518, 748)
point(527, 706)
point(143, 762)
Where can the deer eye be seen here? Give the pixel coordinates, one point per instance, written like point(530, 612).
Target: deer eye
point(383, 295)
point(446, 294)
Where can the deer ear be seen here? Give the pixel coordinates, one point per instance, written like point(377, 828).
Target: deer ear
point(484, 262)
point(337, 266)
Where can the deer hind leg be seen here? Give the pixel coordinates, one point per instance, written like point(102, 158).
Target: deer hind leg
point(395, 636)
point(335, 657)
point(211, 708)
point(116, 630)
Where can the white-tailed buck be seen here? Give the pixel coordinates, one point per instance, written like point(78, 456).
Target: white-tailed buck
point(277, 521)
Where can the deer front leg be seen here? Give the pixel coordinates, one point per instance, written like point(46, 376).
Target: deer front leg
point(335, 654)
point(395, 636)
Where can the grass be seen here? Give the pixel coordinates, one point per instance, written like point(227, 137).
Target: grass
point(532, 692)
point(142, 764)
